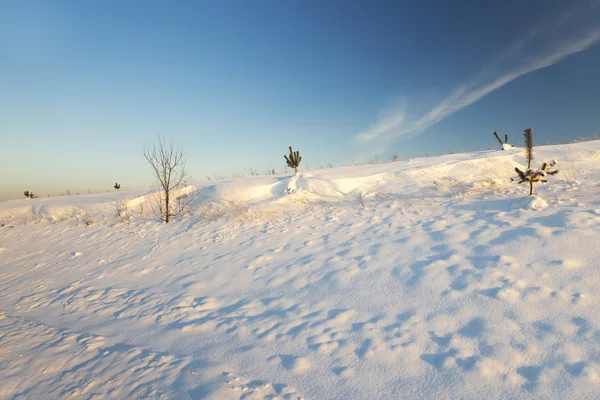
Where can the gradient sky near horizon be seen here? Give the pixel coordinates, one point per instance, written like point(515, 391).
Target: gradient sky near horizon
point(85, 84)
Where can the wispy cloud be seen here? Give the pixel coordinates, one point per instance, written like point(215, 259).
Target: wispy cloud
point(394, 122)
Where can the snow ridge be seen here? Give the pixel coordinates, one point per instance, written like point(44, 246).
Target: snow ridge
point(430, 278)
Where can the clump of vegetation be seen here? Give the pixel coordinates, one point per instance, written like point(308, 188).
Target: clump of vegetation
point(123, 210)
point(530, 175)
point(293, 160)
point(117, 186)
point(504, 144)
point(86, 219)
point(28, 194)
point(375, 161)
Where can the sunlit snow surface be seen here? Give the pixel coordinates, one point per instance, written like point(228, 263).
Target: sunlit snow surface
point(431, 278)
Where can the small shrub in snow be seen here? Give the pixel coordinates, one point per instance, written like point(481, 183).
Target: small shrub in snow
point(530, 175)
point(536, 176)
point(141, 200)
point(360, 199)
point(28, 194)
point(123, 210)
point(569, 170)
point(117, 186)
point(87, 219)
point(375, 161)
point(293, 160)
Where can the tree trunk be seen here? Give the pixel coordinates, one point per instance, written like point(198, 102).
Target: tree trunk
point(166, 206)
point(530, 188)
point(295, 170)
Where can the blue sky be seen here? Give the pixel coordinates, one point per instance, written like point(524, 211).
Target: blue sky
point(85, 84)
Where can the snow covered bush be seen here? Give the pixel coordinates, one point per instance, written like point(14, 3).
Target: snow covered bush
point(28, 194)
point(122, 210)
point(538, 175)
point(504, 145)
point(530, 175)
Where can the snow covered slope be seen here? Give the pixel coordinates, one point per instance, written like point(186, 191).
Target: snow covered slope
point(431, 278)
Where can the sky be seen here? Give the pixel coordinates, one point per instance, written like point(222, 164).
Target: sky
point(84, 85)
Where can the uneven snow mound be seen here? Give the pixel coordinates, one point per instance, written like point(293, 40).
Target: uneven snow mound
point(534, 203)
point(434, 277)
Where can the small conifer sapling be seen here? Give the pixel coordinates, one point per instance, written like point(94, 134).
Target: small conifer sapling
point(293, 160)
point(117, 186)
point(530, 175)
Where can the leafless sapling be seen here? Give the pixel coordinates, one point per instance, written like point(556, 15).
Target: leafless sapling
point(168, 164)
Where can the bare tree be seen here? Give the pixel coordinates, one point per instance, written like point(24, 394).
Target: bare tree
point(168, 164)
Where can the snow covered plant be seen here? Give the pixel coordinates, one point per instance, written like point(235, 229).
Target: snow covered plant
point(28, 194)
point(293, 160)
point(504, 145)
point(123, 209)
point(530, 175)
point(539, 175)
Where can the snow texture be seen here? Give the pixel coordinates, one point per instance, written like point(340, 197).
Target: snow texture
point(429, 278)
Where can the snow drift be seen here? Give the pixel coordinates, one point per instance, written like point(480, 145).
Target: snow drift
point(430, 278)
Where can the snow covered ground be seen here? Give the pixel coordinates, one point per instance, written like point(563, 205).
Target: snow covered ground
point(430, 278)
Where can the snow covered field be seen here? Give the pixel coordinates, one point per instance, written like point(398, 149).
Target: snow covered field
point(430, 278)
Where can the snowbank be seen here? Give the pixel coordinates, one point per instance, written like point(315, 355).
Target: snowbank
point(430, 278)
